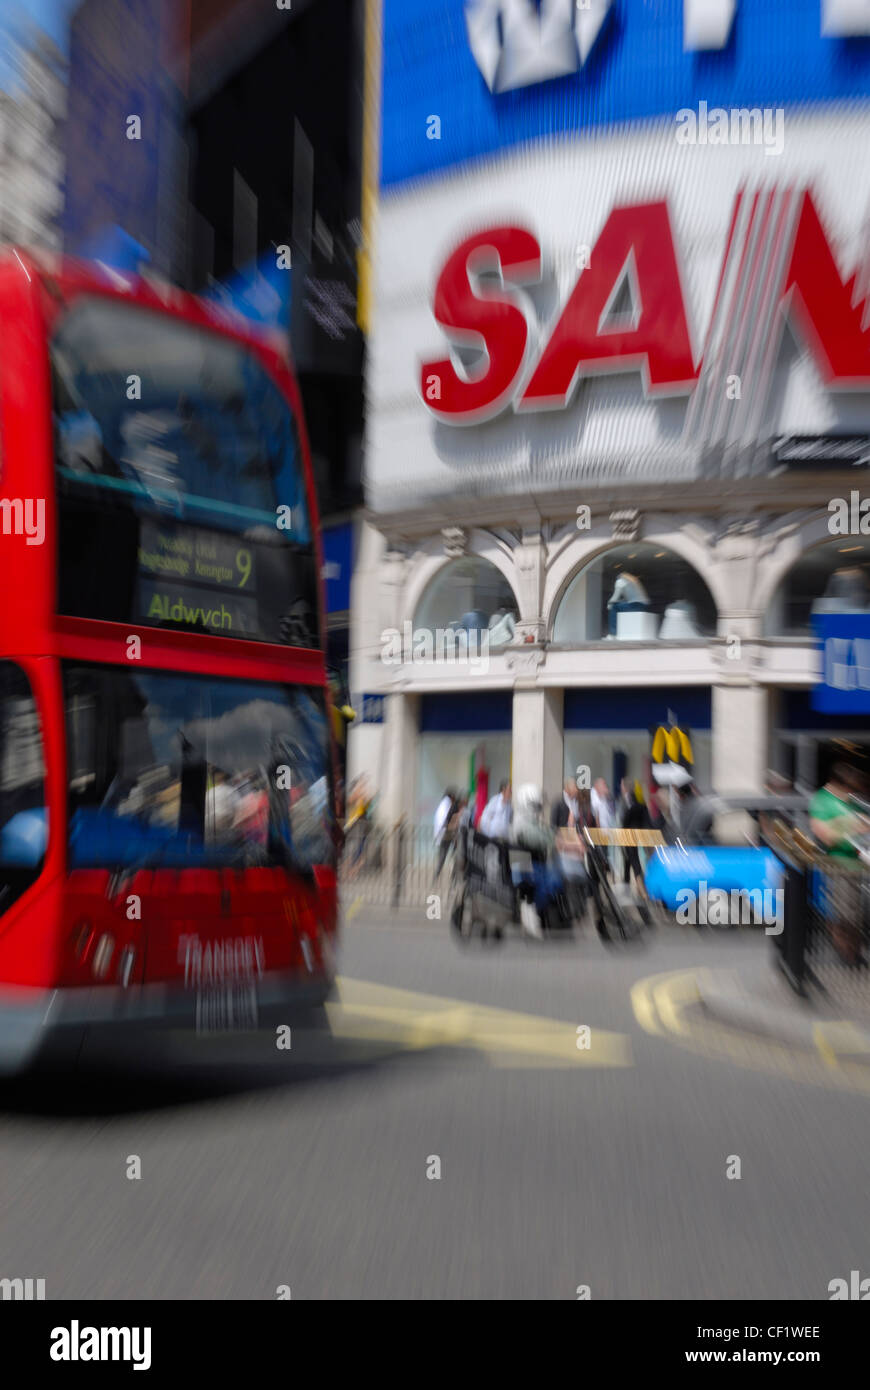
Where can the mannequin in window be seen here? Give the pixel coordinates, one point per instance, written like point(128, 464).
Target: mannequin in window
point(680, 622)
point(502, 627)
point(846, 592)
point(629, 596)
point(474, 622)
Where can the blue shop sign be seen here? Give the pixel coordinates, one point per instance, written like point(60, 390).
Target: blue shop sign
point(338, 565)
point(370, 709)
point(844, 643)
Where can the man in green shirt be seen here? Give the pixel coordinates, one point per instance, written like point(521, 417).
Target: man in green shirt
point(834, 818)
point(836, 823)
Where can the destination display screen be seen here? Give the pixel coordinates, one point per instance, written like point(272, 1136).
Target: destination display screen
point(193, 578)
point(193, 554)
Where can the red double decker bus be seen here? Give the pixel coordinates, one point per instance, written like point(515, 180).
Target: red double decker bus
point(167, 802)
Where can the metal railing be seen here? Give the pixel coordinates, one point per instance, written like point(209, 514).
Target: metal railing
point(824, 946)
point(395, 867)
point(403, 867)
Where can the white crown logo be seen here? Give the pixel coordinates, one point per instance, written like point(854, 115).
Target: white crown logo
point(515, 45)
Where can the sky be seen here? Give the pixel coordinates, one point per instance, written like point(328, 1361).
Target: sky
point(50, 15)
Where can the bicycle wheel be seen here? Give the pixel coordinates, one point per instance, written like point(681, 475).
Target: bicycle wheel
point(604, 923)
point(460, 915)
point(465, 922)
point(617, 921)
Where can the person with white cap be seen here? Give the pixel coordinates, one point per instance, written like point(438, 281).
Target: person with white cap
point(529, 828)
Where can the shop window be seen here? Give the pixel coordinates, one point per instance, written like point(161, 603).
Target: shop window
point(23, 810)
point(459, 760)
point(638, 592)
point(831, 578)
point(469, 596)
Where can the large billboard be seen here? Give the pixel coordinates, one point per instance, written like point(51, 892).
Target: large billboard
point(502, 72)
point(629, 270)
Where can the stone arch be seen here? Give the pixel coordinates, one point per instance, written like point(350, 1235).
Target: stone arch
point(825, 553)
point(480, 544)
point(575, 558)
point(804, 538)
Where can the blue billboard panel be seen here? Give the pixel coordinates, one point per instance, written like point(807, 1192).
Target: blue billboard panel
point(844, 641)
point(498, 73)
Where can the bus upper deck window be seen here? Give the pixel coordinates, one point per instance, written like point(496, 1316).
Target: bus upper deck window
point(181, 480)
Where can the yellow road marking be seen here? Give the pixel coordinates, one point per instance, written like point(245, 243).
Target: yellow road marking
point(839, 1036)
point(375, 1012)
point(671, 995)
point(827, 1052)
point(354, 908)
point(656, 1000)
point(660, 1007)
point(644, 1008)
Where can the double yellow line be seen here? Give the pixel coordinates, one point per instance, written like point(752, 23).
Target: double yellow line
point(662, 1006)
point(660, 1000)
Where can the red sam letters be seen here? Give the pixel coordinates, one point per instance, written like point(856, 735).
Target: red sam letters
point(479, 303)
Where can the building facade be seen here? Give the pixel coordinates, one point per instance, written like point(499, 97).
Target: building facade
point(618, 394)
point(31, 157)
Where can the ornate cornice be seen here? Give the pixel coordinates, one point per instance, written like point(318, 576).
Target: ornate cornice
point(626, 524)
point(455, 540)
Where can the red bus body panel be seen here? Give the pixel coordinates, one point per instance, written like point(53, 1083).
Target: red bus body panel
point(292, 922)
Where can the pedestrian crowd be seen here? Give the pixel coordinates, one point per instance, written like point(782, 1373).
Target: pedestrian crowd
point(524, 817)
point(552, 831)
point(553, 834)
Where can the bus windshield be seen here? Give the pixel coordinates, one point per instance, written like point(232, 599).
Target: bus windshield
point(180, 479)
point(177, 770)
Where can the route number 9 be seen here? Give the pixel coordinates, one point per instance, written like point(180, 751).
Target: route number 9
point(243, 565)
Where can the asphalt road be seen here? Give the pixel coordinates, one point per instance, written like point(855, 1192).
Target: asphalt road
point(560, 1166)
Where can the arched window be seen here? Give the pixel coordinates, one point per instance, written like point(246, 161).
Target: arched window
point(830, 578)
point(469, 594)
point(636, 592)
